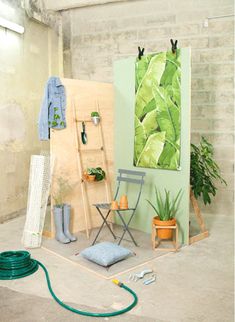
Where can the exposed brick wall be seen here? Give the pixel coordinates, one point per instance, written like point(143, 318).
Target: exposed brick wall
point(96, 36)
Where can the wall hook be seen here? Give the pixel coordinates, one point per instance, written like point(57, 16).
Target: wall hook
point(174, 46)
point(141, 52)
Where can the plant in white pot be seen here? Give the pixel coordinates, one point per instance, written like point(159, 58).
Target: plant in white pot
point(95, 117)
point(62, 211)
point(166, 210)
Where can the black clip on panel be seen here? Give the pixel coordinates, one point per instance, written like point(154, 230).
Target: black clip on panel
point(174, 46)
point(141, 52)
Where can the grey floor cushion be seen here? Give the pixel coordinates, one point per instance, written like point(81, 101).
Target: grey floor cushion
point(106, 253)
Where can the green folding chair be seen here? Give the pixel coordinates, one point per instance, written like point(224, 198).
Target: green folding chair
point(129, 177)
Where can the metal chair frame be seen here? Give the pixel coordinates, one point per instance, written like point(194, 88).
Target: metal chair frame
point(106, 206)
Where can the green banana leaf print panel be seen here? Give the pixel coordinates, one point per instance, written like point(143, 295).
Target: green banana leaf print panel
point(157, 111)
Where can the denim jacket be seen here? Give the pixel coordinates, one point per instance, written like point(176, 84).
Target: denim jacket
point(52, 113)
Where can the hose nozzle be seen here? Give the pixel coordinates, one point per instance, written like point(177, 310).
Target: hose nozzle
point(117, 282)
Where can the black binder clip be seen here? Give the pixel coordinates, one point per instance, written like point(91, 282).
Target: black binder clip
point(174, 46)
point(141, 52)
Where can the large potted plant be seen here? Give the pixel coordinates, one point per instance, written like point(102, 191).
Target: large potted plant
point(165, 209)
point(204, 171)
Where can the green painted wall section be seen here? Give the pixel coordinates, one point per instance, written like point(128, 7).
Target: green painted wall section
point(124, 83)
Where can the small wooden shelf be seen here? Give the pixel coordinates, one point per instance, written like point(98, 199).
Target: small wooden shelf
point(95, 181)
point(91, 149)
point(156, 243)
point(83, 120)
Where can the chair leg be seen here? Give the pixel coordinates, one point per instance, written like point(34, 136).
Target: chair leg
point(126, 229)
point(105, 221)
point(97, 235)
point(101, 227)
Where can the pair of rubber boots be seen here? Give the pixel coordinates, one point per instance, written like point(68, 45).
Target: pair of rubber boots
point(62, 222)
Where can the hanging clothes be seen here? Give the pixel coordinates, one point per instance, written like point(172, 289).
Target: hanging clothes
point(52, 113)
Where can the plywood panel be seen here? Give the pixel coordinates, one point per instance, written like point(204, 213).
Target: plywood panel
point(84, 95)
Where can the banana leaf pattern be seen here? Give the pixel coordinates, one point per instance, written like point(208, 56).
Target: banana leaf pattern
point(157, 111)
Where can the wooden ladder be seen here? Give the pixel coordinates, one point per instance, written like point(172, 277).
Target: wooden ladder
point(106, 181)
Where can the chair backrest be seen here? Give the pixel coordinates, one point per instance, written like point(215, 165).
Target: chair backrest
point(125, 175)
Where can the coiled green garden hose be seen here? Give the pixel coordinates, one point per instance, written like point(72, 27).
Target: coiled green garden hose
point(19, 264)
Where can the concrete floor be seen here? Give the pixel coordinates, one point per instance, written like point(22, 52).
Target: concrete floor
point(193, 285)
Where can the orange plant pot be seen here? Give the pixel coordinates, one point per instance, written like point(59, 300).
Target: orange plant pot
point(123, 202)
point(89, 177)
point(114, 205)
point(123, 199)
point(123, 205)
point(164, 233)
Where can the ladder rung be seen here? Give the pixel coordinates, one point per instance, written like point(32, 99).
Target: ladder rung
point(83, 120)
point(95, 181)
point(91, 149)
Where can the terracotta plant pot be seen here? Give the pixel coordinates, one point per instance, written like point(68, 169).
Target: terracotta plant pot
point(114, 205)
point(166, 233)
point(123, 202)
point(123, 206)
point(91, 177)
point(123, 199)
point(88, 177)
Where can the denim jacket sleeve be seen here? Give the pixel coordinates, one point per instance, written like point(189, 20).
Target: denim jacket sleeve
point(52, 113)
point(43, 126)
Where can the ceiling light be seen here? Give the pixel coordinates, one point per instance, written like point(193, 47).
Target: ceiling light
point(11, 25)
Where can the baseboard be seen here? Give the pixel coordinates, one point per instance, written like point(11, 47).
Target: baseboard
point(12, 215)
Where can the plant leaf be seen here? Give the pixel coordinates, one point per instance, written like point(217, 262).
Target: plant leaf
point(172, 64)
point(140, 139)
point(141, 67)
point(150, 122)
point(152, 76)
point(152, 150)
point(168, 114)
point(169, 159)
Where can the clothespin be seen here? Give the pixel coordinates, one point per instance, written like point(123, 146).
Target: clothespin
point(174, 46)
point(141, 52)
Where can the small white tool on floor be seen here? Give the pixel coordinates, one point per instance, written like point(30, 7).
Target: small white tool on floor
point(137, 276)
point(150, 280)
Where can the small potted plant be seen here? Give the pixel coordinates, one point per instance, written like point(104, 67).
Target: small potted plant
point(94, 174)
point(95, 117)
point(89, 175)
point(166, 210)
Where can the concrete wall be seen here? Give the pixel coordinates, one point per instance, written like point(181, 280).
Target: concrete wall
point(26, 61)
point(96, 36)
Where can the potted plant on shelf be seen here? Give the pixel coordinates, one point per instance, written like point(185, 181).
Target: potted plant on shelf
point(95, 117)
point(204, 171)
point(94, 174)
point(88, 175)
point(166, 210)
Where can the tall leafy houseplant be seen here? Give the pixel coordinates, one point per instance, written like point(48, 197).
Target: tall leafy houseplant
point(204, 171)
point(165, 209)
